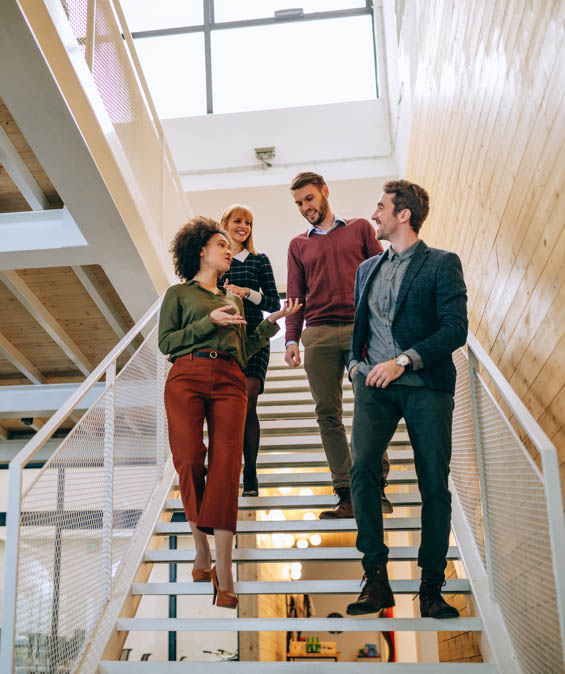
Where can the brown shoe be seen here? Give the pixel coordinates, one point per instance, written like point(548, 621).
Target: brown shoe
point(376, 593)
point(432, 604)
point(344, 507)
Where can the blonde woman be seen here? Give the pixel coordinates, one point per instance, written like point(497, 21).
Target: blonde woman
point(251, 277)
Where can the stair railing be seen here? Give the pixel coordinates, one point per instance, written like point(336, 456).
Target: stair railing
point(76, 534)
point(508, 517)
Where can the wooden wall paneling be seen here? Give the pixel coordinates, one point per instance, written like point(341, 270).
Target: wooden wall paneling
point(528, 147)
point(478, 179)
point(526, 252)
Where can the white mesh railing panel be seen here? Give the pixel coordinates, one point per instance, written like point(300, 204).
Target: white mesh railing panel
point(464, 465)
point(80, 514)
point(519, 542)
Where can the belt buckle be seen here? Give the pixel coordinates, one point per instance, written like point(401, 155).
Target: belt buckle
point(213, 354)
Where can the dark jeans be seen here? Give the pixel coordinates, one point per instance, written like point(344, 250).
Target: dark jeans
point(428, 416)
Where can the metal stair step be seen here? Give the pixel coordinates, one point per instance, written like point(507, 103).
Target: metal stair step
point(273, 412)
point(313, 441)
point(320, 478)
point(300, 624)
point(291, 587)
point(301, 397)
point(273, 555)
point(314, 502)
point(116, 667)
point(290, 526)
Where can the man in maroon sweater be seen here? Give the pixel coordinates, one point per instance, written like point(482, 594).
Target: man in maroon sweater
point(322, 264)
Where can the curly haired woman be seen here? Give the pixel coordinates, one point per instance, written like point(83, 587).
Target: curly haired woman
point(202, 329)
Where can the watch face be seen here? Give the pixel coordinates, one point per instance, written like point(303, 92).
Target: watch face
point(403, 360)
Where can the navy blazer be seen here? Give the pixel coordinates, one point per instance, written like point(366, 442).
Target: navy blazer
point(430, 314)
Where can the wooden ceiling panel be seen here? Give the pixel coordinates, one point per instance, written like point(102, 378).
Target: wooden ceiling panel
point(7, 370)
point(20, 328)
point(10, 198)
point(64, 296)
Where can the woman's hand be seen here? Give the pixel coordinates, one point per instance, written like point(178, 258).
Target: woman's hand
point(223, 317)
point(236, 290)
point(289, 307)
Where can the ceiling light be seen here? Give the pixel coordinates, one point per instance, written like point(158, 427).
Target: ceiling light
point(308, 516)
point(306, 492)
point(302, 543)
point(315, 539)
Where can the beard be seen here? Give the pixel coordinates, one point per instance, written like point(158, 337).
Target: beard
point(324, 208)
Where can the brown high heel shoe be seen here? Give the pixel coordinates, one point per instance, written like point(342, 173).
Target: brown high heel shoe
point(201, 575)
point(221, 597)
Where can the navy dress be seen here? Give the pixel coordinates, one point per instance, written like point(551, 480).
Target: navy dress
point(256, 273)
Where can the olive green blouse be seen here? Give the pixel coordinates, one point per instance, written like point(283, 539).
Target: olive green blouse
point(185, 326)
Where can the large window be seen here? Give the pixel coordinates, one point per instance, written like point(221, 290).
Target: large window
point(223, 56)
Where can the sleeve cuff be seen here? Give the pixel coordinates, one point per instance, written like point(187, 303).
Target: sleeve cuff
point(291, 341)
point(255, 296)
point(350, 366)
point(203, 326)
point(268, 328)
point(416, 359)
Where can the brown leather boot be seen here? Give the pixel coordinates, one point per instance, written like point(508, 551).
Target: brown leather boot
point(376, 593)
point(432, 604)
point(344, 507)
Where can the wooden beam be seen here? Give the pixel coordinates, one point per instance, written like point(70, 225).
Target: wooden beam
point(36, 424)
point(13, 281)
point(3, 433)
point(99, 296)
point(20, 174)
point(18, 360)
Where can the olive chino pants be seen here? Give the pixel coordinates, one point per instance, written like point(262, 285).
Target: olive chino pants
point(326, 354)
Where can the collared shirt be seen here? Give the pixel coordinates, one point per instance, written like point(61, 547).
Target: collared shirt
point(383, 293)
point(185, 325)
point(315, 230)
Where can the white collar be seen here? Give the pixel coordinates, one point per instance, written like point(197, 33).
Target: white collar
point(242, 255)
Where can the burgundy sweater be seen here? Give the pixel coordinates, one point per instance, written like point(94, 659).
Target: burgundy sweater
point(321, 274)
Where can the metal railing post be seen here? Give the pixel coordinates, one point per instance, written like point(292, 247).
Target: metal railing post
point(473, 373)
point(108, 498)
point(160, 416)
point(9, 596)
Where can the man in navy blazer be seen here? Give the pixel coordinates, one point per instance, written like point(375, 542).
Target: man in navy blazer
point(410, 316)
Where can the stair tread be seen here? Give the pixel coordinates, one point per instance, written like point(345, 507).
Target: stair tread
point(300, 624)
point(320, 478)
point(291, 554)
point(252, 527)
point(410, 499)
point(401, 586)
point(117, 667)
point(302, 441)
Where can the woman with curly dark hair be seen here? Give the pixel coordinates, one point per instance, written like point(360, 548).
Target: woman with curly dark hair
point(202, 329)
point(251, 277)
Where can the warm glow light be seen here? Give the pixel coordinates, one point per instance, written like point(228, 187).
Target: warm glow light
point(308, 516)
point(277, 516)
point(296, 570)
point(278, 540)
point(285, 490)
point(288, 540)
point(315, 539)
point(302, 543)
point(306, 492)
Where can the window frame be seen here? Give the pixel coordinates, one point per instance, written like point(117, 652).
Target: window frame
point(210, 25)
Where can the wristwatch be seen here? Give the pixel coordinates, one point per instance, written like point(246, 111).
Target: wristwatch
point(404, 361)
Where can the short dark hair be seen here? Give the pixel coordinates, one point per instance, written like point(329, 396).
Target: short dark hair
point(411, 196)
point(307, 178)
point(188, 243)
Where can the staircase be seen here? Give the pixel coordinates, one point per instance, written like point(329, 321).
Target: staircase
point(291, 441)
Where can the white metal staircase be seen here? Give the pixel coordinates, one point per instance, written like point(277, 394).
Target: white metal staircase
point(81, 537)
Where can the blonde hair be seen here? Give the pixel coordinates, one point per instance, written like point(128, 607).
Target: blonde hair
point(244, 212)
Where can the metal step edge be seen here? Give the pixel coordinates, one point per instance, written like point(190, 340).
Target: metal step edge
point(313, 440)
point(300, 624)
point(306, 400)
point(401, 586)
point(408, 499)
point(289, 526)
point(319, 478)
point(274, 555)
point(148, 667)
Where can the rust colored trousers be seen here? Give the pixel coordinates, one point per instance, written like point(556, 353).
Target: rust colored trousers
point(215, 390)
